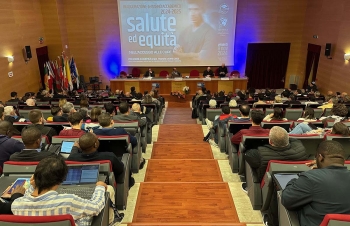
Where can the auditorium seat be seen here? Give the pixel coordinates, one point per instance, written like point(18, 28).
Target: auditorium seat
point(310, 142)
point(327, 112)
point(318, 112)
point(57, 220)
point(120, 183)
point(133, 128)
point(317, 123)
point(235, 73)
point(260, 192)
point(163, 74)
point(194, 74)
point(286, 217)
point(345, 141)
point(136, 72)
point(293, 113)
point(284, 124)
point(211, 113)
point(298, 106)
point(336, 220)
point(123, 74)
point(44, 139)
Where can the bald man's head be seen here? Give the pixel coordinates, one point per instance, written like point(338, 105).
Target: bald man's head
point(88, 142)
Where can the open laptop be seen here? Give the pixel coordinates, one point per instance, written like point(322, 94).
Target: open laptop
point(81, 180)
point(67, 146)
point(282, 179)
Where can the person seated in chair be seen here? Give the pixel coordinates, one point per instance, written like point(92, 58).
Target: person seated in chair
point(244, 110)
point(106, 122)
point(323, 190)
point(257, 117)
point(38, 121)
point(14, 97)
point(175, 73)
point(223, 118)
point(8, 145)
point(149, 73)
point(75, 120)
point(55, 111)
point(88, 144)
point(67, 108)
point(126, 116)
point(42, 198)
point(280, 147)
point(31, 138)
point(208, 73)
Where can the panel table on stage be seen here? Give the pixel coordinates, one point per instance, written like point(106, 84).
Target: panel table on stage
point(172, 85)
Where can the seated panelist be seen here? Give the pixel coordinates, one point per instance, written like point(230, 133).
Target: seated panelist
point(222, 71)
point(175, 73)
point(149, 73)
point(208, 73)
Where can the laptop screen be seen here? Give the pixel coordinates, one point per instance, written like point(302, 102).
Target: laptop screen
point(67, 146)
point(82, 174)
point(283, 179)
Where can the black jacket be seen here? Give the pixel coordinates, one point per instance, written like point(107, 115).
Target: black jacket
point(259, 158)
point(8, 146)
point(210, 73)
point(318, 192)
point(62, 118)
point(31, 155)
point(147, 74)
point(5, 207)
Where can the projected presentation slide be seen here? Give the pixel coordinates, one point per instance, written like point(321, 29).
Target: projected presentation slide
point(177, 32)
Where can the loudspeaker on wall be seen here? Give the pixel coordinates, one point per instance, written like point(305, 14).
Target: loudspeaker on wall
point(327, 51)
point(27, 53)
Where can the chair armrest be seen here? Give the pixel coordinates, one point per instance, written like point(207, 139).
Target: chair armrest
point(286, 217)
point(129, 149)
point(103, 217)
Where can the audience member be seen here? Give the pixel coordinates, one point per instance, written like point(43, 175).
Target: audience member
point(95, 113)
point(75, 120)
point(257, 117)
point(330, 101)
point(232, 103)
point(126, 116)
point(38, 121)
point(12, 116)
point(308, 115)
point(88, 144)
point(67, 109)
point(84, 103)
point(30, 104)
point(8, 146)
point(323, 191)
point(110, 109)
point(5, 206)
point(339, 112)
point(31, 138)
point(14, 97)
point(62, 102)
point(277, 115)
point(222, 119)
point(278, 100)
point(85, 113)
point(280, 148)
point(106, 122)
point(261, 98)
point(292, 100)
point(55, 111)
point(42, 199)
point(312, 100)
point(212, 103)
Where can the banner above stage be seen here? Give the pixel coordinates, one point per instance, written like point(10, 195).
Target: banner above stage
point(177, 32)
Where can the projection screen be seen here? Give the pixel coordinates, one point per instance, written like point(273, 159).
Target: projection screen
point(177, 32)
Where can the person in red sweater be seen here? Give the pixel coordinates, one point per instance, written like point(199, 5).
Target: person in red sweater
point(75, 120)
point(257, 117)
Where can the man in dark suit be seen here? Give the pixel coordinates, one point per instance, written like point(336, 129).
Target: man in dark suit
point(8, 146)
point(222, 71)
point(208, 72)
point(149, 73)
point(31, 138)
point(323, 190)
point(38, 121)
point(175, 73)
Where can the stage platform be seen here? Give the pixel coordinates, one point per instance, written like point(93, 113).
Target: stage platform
point(173, 85)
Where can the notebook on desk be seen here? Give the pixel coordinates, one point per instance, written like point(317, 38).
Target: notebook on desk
point(282, 179)
point(81, 180)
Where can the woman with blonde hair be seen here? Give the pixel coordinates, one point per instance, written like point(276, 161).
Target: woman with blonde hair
point(62, 102)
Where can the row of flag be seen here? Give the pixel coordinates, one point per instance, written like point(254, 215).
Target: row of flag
point(62, 72)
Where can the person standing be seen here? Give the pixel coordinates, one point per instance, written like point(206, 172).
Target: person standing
point(208, 73)
point(222, 71)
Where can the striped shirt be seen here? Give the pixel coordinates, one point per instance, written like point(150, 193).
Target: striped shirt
point(52, 203)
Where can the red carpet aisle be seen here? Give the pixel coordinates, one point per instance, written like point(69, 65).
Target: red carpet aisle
point(183, 184)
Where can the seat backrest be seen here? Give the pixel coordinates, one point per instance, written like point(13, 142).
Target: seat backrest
point(123, 73)
point(336, 220)
point(345, 141)
point(234, 127)
point(264, 106)
point(284, 124)
point(293, 113)
point(163, 74)
point(19, 168)
point(327, 112)
point(268, 111)
point(254, 141)
point(57, 220)
point(297, 106)
point(135, 72)
point(235, 111)
point(211, 113)
point(105, 165)
point(194, 73)
point(115, 144)
point(130, 126)
point(318, 112)
point(310, 142)
point(59, 139)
